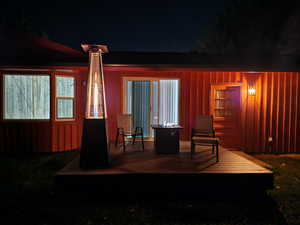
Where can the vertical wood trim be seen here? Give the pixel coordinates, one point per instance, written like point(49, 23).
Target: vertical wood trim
point(287, 114)
point(65, 137)
point(52, 109)
point(256, 125)
point(243, 115)
point(186, 116)
point(1, 97)
point(203, 93)
point(270, 107)
point(258, 114)
point(297, 133)
point(295, 95)
point(273, 112)
point(246, 127)
point(277, 90)
point(198, 100)
point(282, 111)
point(264, 113)
point(190, 86)
point(71, 136)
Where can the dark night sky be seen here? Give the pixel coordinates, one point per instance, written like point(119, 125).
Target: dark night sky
point(169, 26)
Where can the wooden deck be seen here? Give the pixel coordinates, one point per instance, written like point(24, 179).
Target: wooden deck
point(137, 171)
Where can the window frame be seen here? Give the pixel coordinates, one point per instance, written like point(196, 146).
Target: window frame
point(24, 73)
point(124, 93)
point(221, 86)
point(56, 98)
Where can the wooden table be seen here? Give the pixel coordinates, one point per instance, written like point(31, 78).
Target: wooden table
point(166, 139)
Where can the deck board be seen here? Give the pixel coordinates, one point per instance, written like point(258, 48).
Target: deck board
point(232, 169)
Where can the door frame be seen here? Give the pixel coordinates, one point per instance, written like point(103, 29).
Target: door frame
point(151, 79)
point(211, 102)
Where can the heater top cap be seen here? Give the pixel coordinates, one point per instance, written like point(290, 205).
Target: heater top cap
point(94, 48)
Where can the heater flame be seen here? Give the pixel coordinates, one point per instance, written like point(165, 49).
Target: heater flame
point(95, 108)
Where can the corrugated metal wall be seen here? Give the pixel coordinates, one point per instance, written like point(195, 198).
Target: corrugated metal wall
point(22, 137)
point(48, 135)
point(273, 112)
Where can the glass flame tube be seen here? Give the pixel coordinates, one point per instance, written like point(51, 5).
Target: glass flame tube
point(95, 104)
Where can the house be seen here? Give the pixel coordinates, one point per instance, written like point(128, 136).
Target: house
point(255, 103)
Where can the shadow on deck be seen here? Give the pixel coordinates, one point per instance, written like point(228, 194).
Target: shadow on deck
point(137, 172)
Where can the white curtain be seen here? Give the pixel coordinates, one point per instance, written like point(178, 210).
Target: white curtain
point(65, 97)
point(129, 97)
point(168, 101)
point(65, 108)
point(26, 96)
point(64, 86)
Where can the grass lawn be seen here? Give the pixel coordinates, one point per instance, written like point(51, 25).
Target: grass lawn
point(286, 192)
point(28, 197)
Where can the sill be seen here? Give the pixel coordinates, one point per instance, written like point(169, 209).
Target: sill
point(25, 120)
point(65, 120)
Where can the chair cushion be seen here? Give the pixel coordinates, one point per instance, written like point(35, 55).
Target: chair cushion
point(208, 140)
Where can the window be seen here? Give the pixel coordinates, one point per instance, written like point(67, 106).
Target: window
point(26, 96)
point(223, 103)
point(169, 101)
point(65, 94)
point(151, 101)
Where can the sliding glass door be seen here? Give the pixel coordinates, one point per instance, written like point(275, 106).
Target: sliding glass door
point(168, 101)
point(151, 101)
point(138, 103)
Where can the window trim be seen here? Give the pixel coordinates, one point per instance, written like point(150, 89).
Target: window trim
point(24, 73)
point(67, 98)
point(124, 93)
point(221, 86)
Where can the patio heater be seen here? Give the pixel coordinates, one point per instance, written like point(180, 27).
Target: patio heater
point(94, 144)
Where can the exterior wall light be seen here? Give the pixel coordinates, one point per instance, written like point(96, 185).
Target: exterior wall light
point(251, 90)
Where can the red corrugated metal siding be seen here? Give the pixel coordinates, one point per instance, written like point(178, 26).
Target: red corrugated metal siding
point(45, 136)
point(272, 112)
point(21, 137)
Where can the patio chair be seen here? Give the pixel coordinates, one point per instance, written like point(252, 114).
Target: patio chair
point(204, 134)
point(125, 129)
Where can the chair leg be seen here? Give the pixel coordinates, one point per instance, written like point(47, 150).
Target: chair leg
point(123, 138)
point(117, 139)
point(142, 136)
point(192, 148)
point(133, 140)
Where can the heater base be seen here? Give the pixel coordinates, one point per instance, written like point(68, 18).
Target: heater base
point(94, 146)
